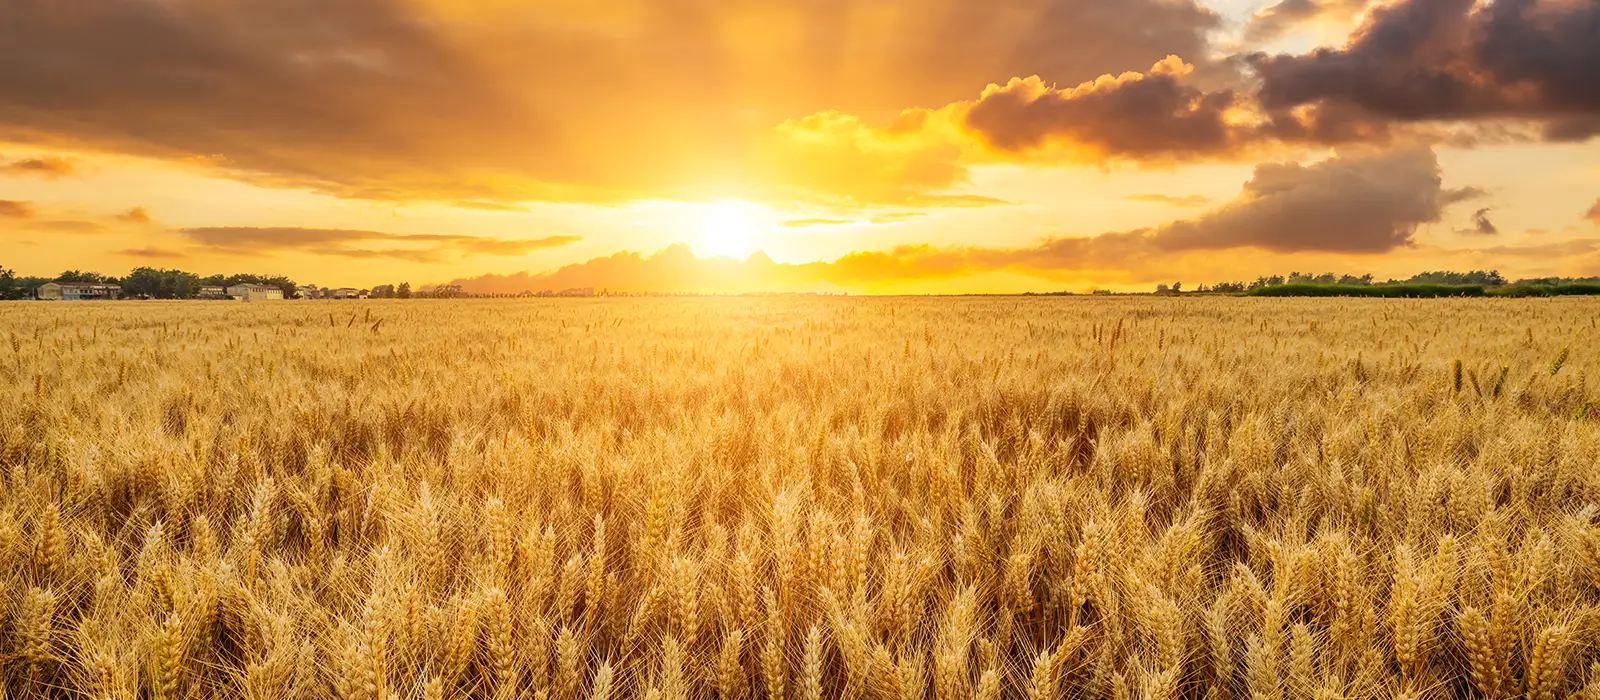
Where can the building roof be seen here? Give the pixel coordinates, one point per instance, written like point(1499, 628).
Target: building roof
point(82, 285)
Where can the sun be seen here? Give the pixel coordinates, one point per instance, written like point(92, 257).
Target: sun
point(726, 230)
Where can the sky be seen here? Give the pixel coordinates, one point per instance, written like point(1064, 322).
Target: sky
point(860, 146)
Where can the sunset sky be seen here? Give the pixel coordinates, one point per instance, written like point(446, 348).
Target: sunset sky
point(868, 146)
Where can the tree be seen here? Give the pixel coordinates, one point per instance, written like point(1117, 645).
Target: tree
point(81, 277)
point(383, 291)
point(161, 284)
point(1177, 287)
point(404, 291)
point(9, 289)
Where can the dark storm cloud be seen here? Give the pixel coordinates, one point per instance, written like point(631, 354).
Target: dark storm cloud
point(1444, 60)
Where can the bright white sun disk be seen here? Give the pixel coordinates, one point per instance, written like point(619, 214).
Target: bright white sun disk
point(726, 231)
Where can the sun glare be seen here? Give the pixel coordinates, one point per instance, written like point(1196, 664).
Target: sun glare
point(726, 231)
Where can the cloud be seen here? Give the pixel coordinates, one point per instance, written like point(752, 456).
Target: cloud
point(1364, 203)
point(521, 246)
point(913, 161)
point(1481, 225)
point(151, 252)
point(1276, 20)
point(48, 166)
point(1543, 251)
point(12, 209)
point(434, 100)
point(895, 217)
point(1358, 204)
point(808, 223)
point(1190, 200)
point(486, 206)
point(136, 215)
point(75, 227)
point(1594, 212)
point(427, 247)
point(884, 219)
point(1140, 116)
point(1450, 60)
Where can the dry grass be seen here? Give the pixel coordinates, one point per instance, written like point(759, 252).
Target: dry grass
point(801, 498)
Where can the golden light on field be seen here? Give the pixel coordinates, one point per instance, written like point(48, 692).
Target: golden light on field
point(874, 499)
point(727, 229)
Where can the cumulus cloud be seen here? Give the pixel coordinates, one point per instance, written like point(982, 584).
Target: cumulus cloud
point(1284, 208)
point(1450, 60)
point(1144, 116)
point(1364, 203)
point(1594, 212)
point(47, 166)
point(426, 99)
point(12, 209)
point(416, 247)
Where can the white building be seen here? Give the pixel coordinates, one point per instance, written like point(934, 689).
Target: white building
point(255, 292)
point(78, 291)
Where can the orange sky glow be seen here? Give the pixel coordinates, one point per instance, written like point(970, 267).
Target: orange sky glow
point(862, 146)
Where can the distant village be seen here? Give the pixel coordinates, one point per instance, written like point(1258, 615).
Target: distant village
point(93, 291)
point(152, 283)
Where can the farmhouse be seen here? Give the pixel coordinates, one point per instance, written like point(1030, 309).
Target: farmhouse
point(255, 292)
point(78, 291)
point(211, 292)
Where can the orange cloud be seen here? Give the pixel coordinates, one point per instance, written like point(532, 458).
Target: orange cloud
point(1278, 19)
point(151, 252)
point(136, 215)
point(1594, 212)
point(48, 166)
point(76, 227)
point(340, 242)
point(12, 209)
point(1190, 200)
point(486, 206)
point(1284, 208)
point(1139, 116)
point(429, 99)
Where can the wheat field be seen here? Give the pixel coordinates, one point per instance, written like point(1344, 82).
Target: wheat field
point(801, 498)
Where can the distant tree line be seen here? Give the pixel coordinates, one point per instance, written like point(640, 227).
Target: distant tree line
point(146, 282)
point(1442, 278)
